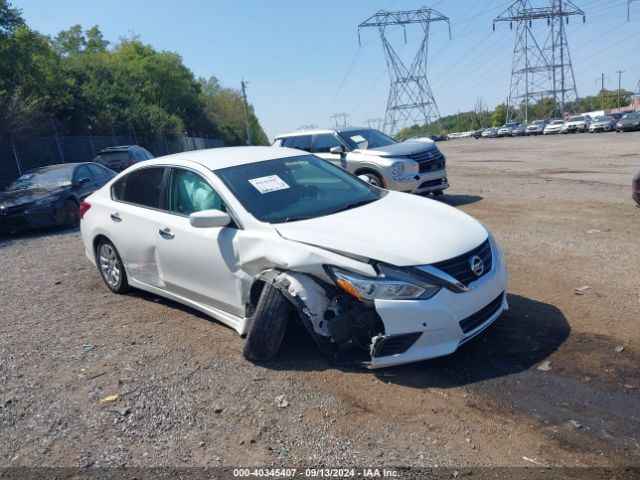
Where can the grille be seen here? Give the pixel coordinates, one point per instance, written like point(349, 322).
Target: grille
point(429, 160)
point(459, 268)
point(395, 344)
point(473, 321)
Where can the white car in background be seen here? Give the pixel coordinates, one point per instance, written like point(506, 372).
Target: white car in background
point(414, 166)
point(554, 127)
point(257, 237)
point(602, 123)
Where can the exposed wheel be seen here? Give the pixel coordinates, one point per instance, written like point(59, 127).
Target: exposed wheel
point(437, 193)
point(71, 214)
point(111, 267)
point(374, 179)
point(269, 325)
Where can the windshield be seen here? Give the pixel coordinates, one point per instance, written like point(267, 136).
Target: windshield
point(43, 178)
point(375, 139)
point(557, 122)
point(537, 122)
point(576, 119)
point(631, 116)
point(296, 188)
point(602, 119)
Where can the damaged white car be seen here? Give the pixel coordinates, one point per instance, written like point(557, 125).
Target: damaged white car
point(257, 237)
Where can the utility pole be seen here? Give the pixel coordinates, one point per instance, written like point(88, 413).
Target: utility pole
point(246, 110)
point(619, 72)
point(629, 2)
point(602, 77)
point(340, 119)
point(410, 100)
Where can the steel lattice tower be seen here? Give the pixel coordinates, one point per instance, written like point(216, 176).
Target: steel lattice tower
point(410, 97)
point(540, 70)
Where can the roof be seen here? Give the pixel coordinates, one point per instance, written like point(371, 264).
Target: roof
point(320, 131)
point(216, 158)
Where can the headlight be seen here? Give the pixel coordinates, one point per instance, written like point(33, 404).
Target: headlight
point(387, 287)
point(397, 169)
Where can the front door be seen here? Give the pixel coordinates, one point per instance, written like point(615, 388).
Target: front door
point(324, 143)
point(198, 263)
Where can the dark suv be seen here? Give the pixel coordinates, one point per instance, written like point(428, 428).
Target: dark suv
point(119, 158)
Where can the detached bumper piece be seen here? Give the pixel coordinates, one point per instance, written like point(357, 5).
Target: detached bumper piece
point(394, 344)
point(473, 321)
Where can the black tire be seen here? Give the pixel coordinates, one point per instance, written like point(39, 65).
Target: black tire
point(71, 214)
point(269, 325)
point(108, 257)
point(438, 193)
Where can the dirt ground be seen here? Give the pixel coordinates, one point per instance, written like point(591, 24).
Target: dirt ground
point(560, 207)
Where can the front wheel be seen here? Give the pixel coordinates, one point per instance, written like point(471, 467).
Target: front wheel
point(269, 325)
point(111, 267)
point(438, 193)
point(374, 179)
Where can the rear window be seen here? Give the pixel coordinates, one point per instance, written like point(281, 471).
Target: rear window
point(142, 187)
point(301, 142)
point(115, 157)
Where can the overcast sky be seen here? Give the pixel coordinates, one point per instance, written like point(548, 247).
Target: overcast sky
point(303, 61)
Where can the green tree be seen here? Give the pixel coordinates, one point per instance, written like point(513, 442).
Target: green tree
point(10, 18)
point(499, 116)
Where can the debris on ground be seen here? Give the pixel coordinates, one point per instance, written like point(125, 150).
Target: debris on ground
point(218, 409)
point(532, 460)
point(545, 366)
point(581, 290)
point(281, 401)
point(619, 349)
point(593, 231)
point(109, 399)
point(87, 346)
point(575, 423)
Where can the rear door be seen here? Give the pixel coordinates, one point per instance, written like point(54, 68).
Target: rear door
point(134, 217)
point(198, 263)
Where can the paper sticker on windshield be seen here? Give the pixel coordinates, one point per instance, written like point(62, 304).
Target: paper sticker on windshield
point(272, 183)
point(358, 138)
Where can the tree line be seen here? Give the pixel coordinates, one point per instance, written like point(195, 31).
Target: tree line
point(78, 81)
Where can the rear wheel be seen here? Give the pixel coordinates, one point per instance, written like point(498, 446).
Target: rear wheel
point(111, 267)
point(71, 214)
point(269, 325)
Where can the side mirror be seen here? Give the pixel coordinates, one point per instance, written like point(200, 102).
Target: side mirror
point(365, 178)
point(209, 219)
point(337, 150)
point(82, 181)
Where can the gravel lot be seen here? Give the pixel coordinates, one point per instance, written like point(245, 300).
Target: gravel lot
point(561, 208)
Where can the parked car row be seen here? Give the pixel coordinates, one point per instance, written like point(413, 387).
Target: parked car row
point(576, 124)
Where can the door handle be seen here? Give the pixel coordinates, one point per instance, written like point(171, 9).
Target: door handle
point(166, 233)
point(116, 217)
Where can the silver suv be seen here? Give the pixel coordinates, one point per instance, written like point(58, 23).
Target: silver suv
point(415, 166)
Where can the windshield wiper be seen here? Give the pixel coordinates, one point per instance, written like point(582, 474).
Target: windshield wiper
point(351, 205)
point(295, 219)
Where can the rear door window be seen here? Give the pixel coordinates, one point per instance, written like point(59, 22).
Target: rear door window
point(97, 171)
point(143, 187)
point(82, 172)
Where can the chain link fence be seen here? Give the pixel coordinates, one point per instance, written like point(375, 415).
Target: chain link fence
point(20, 154)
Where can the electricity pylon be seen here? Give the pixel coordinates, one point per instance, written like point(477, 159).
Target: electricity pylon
point(410, 97)
point(540, 70)
point(629, 2)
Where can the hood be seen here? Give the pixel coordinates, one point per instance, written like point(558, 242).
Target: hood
point(400, 229)
point(16, 198)
point(399, 149)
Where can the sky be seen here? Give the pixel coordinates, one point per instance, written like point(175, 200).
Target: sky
point(303, 61)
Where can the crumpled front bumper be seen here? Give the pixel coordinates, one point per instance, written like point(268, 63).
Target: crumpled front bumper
point(434, 327)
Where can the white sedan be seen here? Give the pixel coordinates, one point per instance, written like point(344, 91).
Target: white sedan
point(257, 237)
